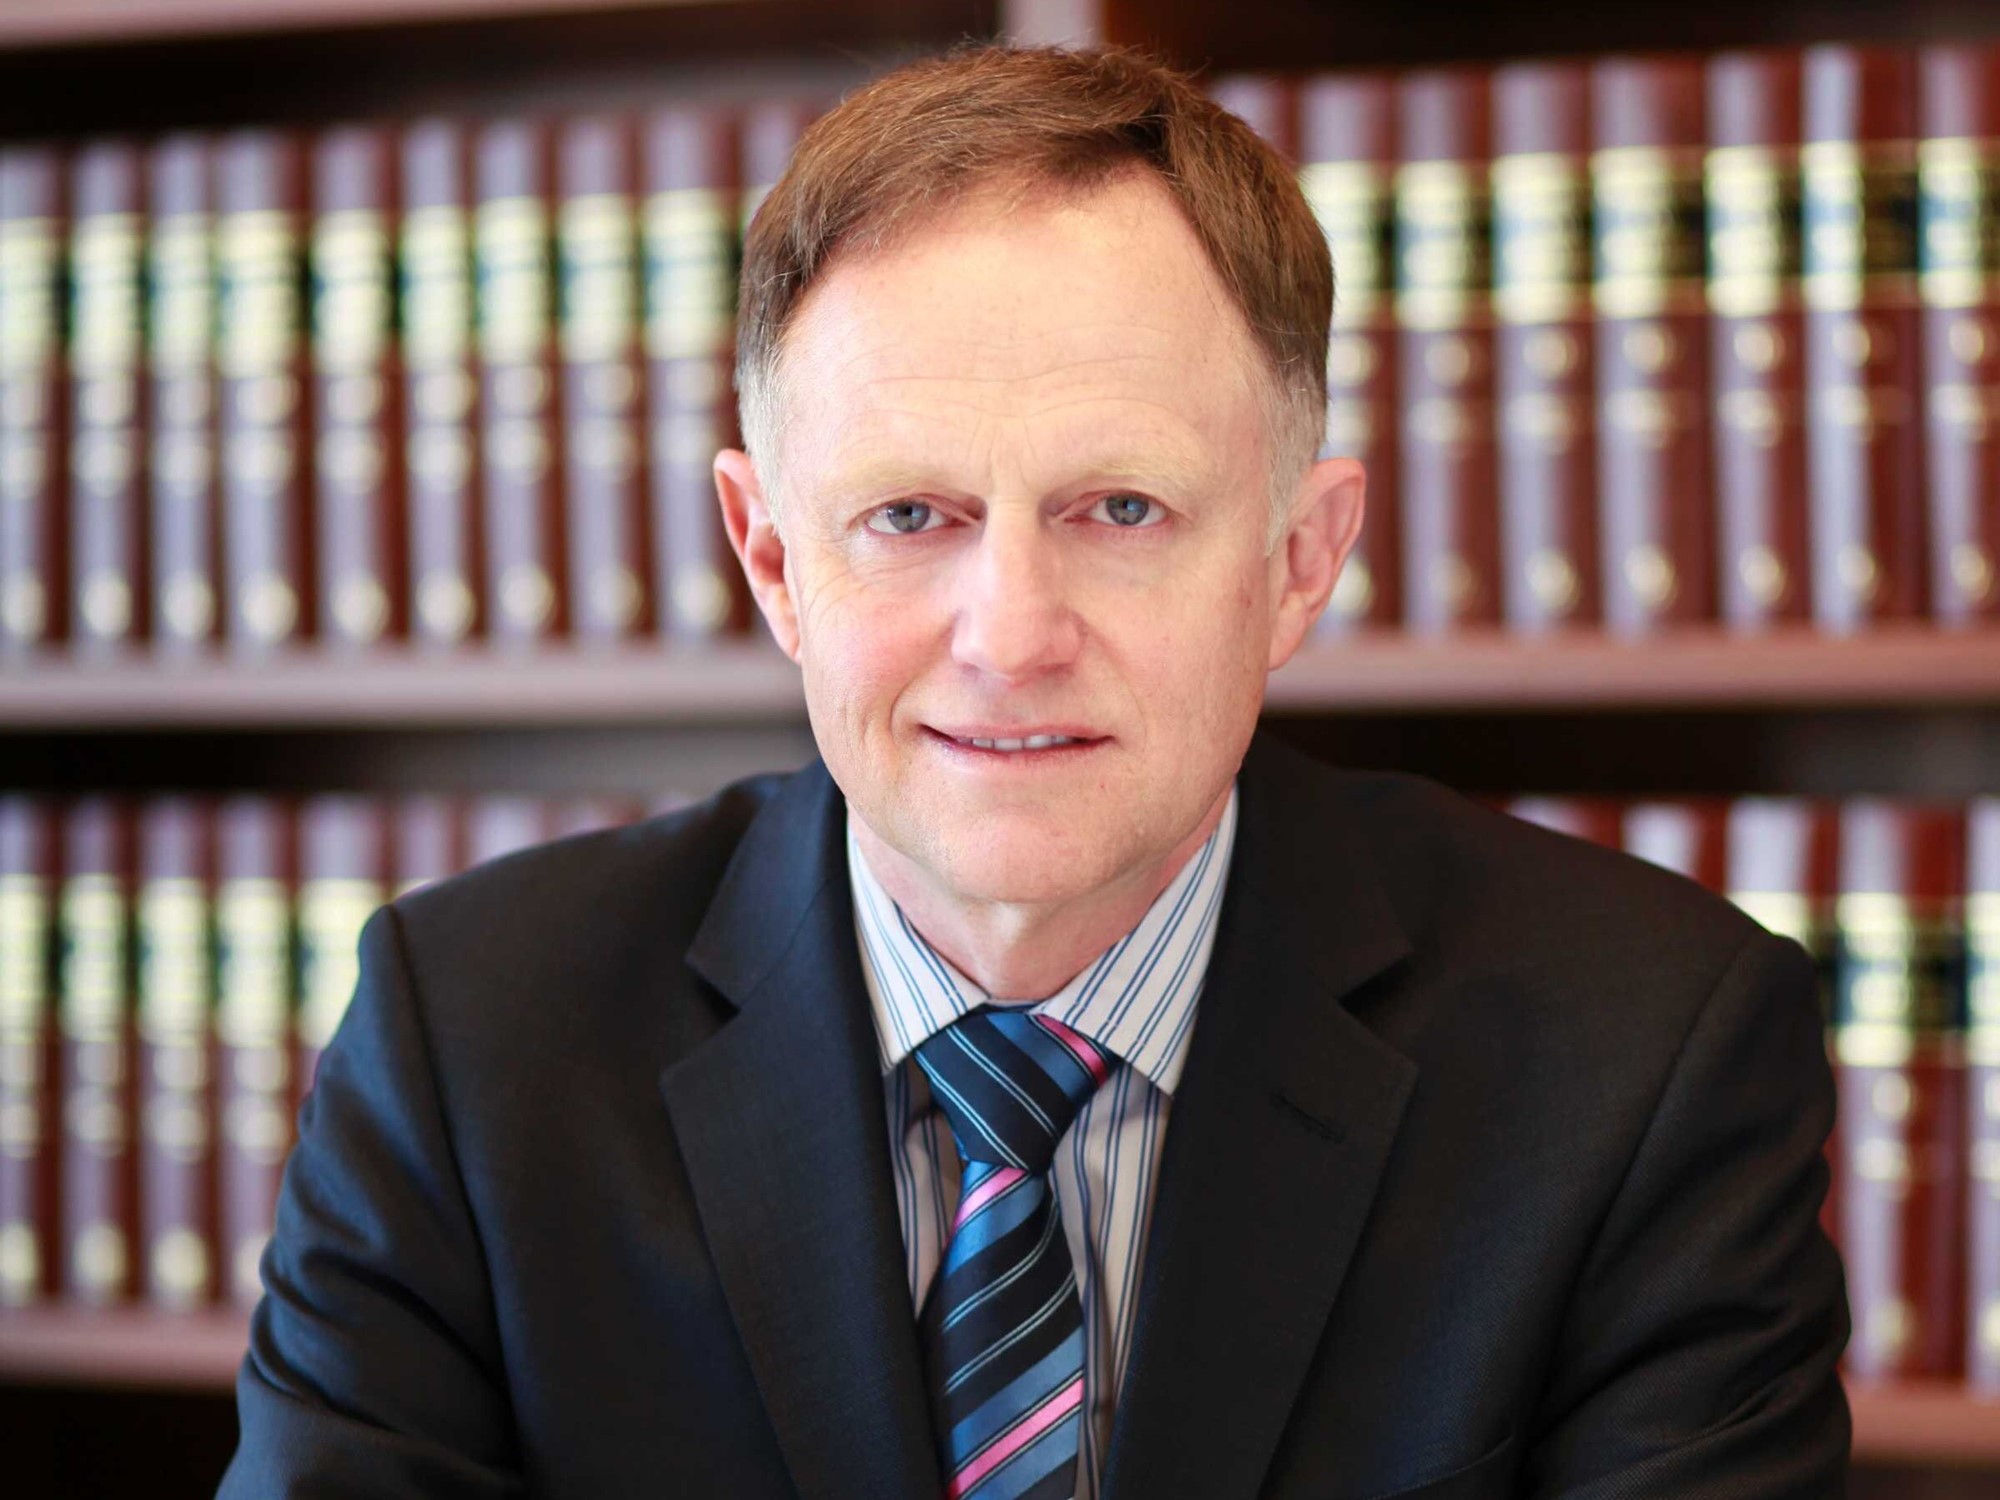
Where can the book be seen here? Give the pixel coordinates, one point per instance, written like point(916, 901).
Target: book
point(497, 825)
point(1982, 991)
point(1654, 486)
point(176, 1015)
point(94, 1010)
point(1596, 820)
point(108, 571)
point(343, 877)
point(1346, 131)
point(604, 416)
point(440, 385)
point(1864, 448)
point(1687, 835)
point(1757, 339)
point(1543, 381)
point(266, 438)
point(359, 510)
point(1958, 282)
point(255, 869)
point(182, 472)
point(32, 463)
point(428, 835)
point(1444, 359)
point(770, 131)
point(1899, 1067)
point(519, 430)
point(692, 169)
point(28, 1116)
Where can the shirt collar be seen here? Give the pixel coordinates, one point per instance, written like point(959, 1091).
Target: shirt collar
point(1137, 998)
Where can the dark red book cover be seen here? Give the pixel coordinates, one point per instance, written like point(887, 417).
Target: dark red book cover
point(108, 572)
point(98, 1175)
point(1597, 820)
point(498, 824)
point(1686, 835)
point(1347, 150)
point(255, 868)
point(183, 474)
point(513, 246)
point(1542, 346)
point(1757, 339)
point(771, 129)
point(355, 381)
point(440, 385)
point(28, 1110)
point(266, 441)
point(1864, 443)
point(343, 877)
point(33, 561)
point(1450, 516)
point(692, 168)
point(1899, 1064)
point(1654, 491)
point(428, 840)
point(1982, 1231)
point(604, 408)
point(176, 970)
point(1958, 259)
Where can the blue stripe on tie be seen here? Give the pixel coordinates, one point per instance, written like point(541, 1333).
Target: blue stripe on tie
point(993, 1070)
point(970, 1116)
point(996, 1285)
point(994, 1220)
point(1054, 1058)
point(1032, 1464)
point(1004, 1407)
point(1013, 1336)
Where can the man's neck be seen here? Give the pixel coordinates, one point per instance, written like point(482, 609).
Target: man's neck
point(1025, 951)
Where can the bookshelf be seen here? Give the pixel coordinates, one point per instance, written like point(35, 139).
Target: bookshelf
point(1909, 709)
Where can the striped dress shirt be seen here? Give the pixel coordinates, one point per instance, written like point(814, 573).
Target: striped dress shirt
point(1137, 999)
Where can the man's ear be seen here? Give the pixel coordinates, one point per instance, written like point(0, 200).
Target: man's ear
point(1326, 520)
point(754, 534)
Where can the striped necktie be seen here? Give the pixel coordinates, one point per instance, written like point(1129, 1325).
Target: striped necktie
point(1002, 1325)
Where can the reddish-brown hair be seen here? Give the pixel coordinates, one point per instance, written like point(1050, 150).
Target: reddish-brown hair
point(914, 141)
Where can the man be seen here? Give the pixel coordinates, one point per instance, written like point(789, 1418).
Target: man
point(1055, 1093)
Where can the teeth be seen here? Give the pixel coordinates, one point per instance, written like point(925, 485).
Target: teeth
point(1031, 742)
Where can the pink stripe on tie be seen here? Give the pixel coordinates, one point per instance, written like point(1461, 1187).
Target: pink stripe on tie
point(1077, 1042)
point(986, 1192)
point(1032, 1426)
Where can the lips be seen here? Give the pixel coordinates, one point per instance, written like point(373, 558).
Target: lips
point(1014, 744)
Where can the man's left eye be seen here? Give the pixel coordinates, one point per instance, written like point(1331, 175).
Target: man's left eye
point(1130, 510)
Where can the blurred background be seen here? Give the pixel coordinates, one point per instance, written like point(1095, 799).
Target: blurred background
point(360, 366)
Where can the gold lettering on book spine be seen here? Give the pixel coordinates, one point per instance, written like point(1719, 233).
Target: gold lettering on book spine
point(1754, 260)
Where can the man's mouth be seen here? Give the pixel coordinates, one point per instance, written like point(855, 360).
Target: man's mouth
point(1017, 743)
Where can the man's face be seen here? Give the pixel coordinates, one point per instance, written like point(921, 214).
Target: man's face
point(1025, 491)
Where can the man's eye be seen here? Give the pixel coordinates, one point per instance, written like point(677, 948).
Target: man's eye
point(1131, 510)
point(903, 517)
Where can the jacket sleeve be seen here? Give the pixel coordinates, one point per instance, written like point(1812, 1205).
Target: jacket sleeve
point(374, 1363)
point(1698, 1359)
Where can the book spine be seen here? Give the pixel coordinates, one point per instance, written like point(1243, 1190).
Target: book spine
point(691, 174)
point(176, 1036)
point(499, 825)
point(32, 463)
point(107, 392)
point(428, 838)
point(1757, 339)
point(1864, 450)
point(1958, 280)
point(1594, 819)
point(95, 985)
point(343, 877)
point(265, 436)
point(516, 321)
point(770, 131)
point(1348, 146)
point(27, 1052)
point(573, 815)
point(1982, 1230)
point(440, 386)
point(597, 237)
point(1652, 356)
point(1687, 837)
point(359, 507)
point(1542, 346)
point(253, 1022)
point(180, 355)
point(1899, 1065)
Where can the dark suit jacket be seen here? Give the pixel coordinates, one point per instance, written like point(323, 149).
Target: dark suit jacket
point(1494, 1170)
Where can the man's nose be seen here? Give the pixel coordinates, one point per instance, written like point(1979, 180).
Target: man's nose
point(1015, 619)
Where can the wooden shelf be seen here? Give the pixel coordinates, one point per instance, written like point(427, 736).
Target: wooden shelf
point(742, 683)
point(135, 1348)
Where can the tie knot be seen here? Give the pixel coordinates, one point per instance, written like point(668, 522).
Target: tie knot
point(1011, 1082)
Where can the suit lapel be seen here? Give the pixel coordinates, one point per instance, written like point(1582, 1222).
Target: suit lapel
point(1284, 1116)
point(781, 1121)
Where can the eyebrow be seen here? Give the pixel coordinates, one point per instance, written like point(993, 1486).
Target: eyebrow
point(1166, 473)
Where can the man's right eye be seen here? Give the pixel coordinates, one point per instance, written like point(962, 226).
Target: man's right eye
point(903, 517)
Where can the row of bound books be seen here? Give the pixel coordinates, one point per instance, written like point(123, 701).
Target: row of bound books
point(1900, 902)
point(1642, 341)
point(441, 381)
point(170, 969)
